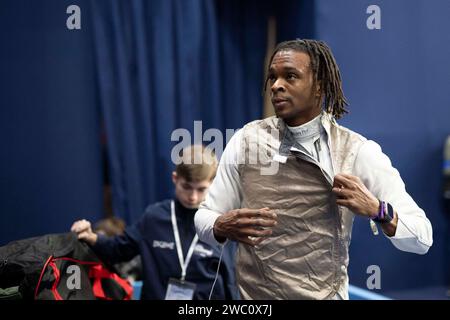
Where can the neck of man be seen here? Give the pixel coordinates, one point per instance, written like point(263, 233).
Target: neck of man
point(303, 117)
point(308, 130)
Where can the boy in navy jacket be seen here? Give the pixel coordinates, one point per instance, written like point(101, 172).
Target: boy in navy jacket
point(176, 265)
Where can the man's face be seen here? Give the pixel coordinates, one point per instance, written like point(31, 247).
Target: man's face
point(293, 94)
point(190, 194)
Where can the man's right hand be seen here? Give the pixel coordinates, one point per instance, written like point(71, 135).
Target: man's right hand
point(250, 226)
point(84, 231)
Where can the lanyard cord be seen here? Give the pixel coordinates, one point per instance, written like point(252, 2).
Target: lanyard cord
point(183, 263)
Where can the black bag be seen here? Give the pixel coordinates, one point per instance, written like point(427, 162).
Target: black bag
point(59, 267)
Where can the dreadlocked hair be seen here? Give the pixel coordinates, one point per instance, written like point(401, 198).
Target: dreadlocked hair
point(325, 70)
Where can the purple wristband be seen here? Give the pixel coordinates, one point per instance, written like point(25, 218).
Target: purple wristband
point(385, 214)
point(382, 211)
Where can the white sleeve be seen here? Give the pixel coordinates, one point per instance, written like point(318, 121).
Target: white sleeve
point(414, 231)
point(224, 194)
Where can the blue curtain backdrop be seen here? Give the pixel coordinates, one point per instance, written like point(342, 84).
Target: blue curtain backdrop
point(135, 71)
point(161, 65)
point(50, 159)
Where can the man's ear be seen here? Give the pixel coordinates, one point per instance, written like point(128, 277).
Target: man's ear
point(318, 90)
point(174, 177)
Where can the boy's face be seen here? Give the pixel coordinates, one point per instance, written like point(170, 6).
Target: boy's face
point(190, 194)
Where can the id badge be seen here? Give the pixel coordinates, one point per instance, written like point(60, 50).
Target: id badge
point(180, 290)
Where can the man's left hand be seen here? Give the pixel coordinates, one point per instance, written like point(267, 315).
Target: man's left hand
point(353, 194)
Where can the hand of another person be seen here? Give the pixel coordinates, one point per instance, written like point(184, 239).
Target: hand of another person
point(84, 231)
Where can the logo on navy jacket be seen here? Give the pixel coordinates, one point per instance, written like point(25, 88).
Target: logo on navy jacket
point(163, 244)
point(200, 249)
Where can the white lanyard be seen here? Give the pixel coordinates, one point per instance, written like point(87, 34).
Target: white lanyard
point(183, 263)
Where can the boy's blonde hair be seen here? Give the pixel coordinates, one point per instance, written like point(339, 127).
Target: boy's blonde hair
point(198, 163)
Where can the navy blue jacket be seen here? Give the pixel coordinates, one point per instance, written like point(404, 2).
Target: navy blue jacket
point(152, 237)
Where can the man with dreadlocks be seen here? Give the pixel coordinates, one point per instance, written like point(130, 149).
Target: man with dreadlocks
point(294, 224)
